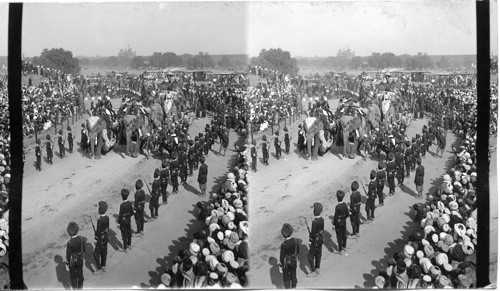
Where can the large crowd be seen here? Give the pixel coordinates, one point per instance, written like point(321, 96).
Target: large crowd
point(217, 255)
point(442, 252)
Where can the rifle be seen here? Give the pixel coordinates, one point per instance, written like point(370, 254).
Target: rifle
point(363, 185)
point(308, 229)
point(91, 221)
point(147, 186)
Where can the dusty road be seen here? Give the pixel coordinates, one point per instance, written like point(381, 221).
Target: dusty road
point(285, 191)
point(70, 189)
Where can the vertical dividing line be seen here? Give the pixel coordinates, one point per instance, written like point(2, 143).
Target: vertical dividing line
point(482, 143)
point(16, 139)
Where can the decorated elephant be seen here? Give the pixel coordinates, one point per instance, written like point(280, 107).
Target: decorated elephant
point(325, 131)
point(100, 134)
point(130, 125)
point(312, 126)
point(345, 125)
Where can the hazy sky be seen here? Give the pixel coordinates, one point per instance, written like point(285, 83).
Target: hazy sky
point(303, 28)
point(103, 29)
point(321, 28)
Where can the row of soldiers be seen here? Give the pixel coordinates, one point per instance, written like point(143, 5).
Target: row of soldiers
point(49, 146)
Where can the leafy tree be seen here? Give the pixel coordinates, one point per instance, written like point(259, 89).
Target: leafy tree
point(58, 59)
point(277, 59)
point(225, 62)
point(138, 62)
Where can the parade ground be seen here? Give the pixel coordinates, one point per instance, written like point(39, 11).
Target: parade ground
point(70, 189)
point(285, 191)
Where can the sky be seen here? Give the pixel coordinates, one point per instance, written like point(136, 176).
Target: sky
point(92, 29)
point(303, 28)
point(321, 28)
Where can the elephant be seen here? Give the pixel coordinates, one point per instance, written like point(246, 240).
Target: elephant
point(312, 127)
point(99, 139)
point(131, 124)
point(345, 125)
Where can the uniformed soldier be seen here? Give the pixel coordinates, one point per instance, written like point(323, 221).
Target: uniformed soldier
point(372, 196)
point(38, 155)
point(289, 252)
point(174, 172)
point(75, 248)
point(419, 178)
point(139, 201)
point(381, 177)
point(50, 149)
point(287, 139)
point(339, 221)
point(70, 140)
point(164, 176)
point(60, 142)
point(183, 166)
point(265, 150)
point(124, 221)
point(202, 177)
point(391, 174)
point(408, 158)
point(253, 153)
point(355, 207)
point(101, 239)
point(316, 240)
point(155, 194)
point(400, 166)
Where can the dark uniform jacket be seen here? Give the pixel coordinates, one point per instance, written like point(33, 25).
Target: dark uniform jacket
point(155, 193)
point(202, 174)
point(75, 247)
point(289, 247)
point(419, 175)
point(341, 214)
point(140, 199)
point(355, 202)
point(126, 211)
point(101, 232)
point(317, 227)
point(372, 189)
point(381, 177)
point(391, 168)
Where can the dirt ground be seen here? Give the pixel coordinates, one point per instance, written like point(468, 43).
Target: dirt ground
point(70, 189)
point(286, 190)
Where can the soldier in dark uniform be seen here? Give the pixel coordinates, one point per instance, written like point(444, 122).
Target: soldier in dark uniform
point(75, 248)
point(124, 221)
point(101, 239)
point(381, 177)
point(339, 221)
point(425, 141)
point(253, 153)
point(289, 252)
point(391, 174)
point(139, 201)
point(316, 240)
point(414, 148)
point(50, 149)
point(191, 156)
point(174, 172)
point(196, 157)
point(155, 194)
point(265, 150)
point(60, 142)
point(84, 140)
point(408, 158)
point(70, 140)
point(400, 166)
point(164, 176)
point(372, 196)
point(224, 141)
point(183, 166)
point(287, 139)
point(277, 144)
point(355, 207)
point(301, 140)
point(202, 177)
point(38, 155)
point(419, 178)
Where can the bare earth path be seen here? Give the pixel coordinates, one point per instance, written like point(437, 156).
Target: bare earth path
point(285, 192)
point(70, 189)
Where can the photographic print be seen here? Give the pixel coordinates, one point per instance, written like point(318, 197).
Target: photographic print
point(264, 145)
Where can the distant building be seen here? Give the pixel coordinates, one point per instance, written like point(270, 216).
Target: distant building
point(346, 53)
